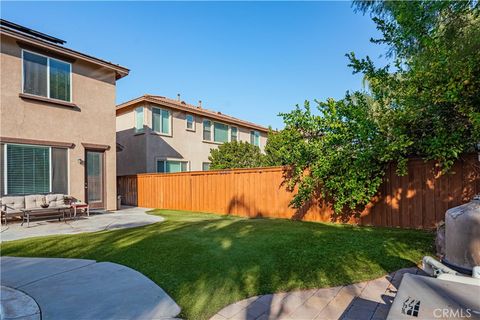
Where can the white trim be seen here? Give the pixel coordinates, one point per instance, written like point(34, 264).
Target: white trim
point(23, 75)
point(48, 78)
point(230, 135)
point(48, 75)
point(255, 132)
point(212, 131)
point(203, 163)
point(170, 120)
point(5, 184)
point(68, 171)
point(135, 118)
point(165, 159)
point(50, 173)
point(203, 130)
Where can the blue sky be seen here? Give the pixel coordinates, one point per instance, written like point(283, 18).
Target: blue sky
point(250, 60)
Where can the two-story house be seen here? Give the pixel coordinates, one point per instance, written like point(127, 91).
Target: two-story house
point(57, 119)
point(158, 134)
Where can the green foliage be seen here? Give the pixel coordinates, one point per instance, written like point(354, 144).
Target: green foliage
point(433, 95)
point(276, 149)
point(428, 106)
point(342, 151)
point(235, 154)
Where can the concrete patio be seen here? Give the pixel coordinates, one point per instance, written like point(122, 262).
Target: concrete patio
point(369, 300)
point(46, 288)
point(127, 217)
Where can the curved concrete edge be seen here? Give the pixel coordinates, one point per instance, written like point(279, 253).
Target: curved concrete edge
point(17, 305)
point(86, 289)
point(131, 217)
point(364, 300)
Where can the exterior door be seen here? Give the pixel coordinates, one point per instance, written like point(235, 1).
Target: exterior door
point(94, 179)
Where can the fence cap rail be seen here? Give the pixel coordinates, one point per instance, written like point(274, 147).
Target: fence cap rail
point(214, 172)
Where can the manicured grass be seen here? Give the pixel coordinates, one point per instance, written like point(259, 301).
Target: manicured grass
point(206, 261)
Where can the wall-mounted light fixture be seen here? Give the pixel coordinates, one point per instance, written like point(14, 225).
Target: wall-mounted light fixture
point(80, 161)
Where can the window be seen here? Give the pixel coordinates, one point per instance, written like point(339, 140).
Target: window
point(207, 130)
point(46, 77)
point(170, 166)
point(205, 166)
point(233, 134)
point(220, 132)
point(255, 138)
point(27, 169)
point(190, 122)
point(161, 120)
point(139, 119)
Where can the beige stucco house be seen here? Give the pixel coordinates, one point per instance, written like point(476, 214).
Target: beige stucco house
point(57, 119)
point(158, 134)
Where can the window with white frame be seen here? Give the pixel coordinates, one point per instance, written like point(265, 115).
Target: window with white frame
point(190, 120)
point(139, 119)
point(233, 134)
point(171, 166)
point(161, 120)
point(216, 131)
point(220, 132)
point(255, 138)
point(205, 166)
point(46, 77)
point(207, 130)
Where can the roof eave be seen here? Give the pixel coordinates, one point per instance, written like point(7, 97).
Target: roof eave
point(120, 71)
point(220, 117)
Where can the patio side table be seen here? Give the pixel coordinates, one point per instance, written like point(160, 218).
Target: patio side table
point(81, 207)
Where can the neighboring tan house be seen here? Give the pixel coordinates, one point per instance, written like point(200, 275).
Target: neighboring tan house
point(158, 134)
point(57, 119)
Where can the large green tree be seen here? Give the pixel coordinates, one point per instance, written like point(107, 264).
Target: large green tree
point(231, 155)
point(425, 103)
point(432, 94)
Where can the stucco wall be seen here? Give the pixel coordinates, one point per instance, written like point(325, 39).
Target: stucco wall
point(180, 144)
point(132, 159)
point(93, 91)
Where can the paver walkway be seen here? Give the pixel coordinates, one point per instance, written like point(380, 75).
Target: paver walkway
point(369, 300)
point(126, 218)
point(81, 289)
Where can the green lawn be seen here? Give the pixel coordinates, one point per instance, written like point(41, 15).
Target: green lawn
point(207, 261)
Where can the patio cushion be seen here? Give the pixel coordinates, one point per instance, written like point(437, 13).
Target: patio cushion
point(34, 201)
point(55, 200)
point(15, 202)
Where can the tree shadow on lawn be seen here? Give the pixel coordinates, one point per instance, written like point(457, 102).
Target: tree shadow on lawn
point(208, 262)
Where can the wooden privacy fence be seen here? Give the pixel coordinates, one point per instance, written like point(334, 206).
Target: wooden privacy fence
point(417, 200)
point(127, 188)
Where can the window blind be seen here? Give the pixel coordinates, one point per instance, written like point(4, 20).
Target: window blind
point(161, 120)
point(220, 132)
point(139, 119)
point(207, 130)
point(165, 122)
point(234, 134)
point(28, 169)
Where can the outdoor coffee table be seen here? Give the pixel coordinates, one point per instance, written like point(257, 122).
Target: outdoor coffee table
point(80, 206)
point(60, 212)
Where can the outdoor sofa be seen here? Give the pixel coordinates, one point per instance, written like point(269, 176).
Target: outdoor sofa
point(30, 206)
